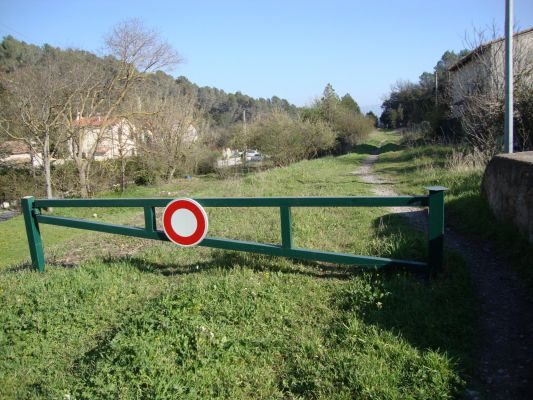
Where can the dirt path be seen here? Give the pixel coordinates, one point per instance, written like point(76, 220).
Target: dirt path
point(506, 307)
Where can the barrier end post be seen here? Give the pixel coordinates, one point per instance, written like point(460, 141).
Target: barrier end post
point(436, 229)
point(33, 233)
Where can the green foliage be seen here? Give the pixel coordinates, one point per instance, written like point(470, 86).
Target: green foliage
point(225, 109)
point(389, 118)
point(411, 103)
point(349, 103)
point(15, 54)
point(373, 117)
point(343, 116)
point(351, 127)
point(287, 140)
point(16, 183)
point(145, 178)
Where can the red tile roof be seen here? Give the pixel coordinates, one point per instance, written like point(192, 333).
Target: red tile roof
point(14, 147)
point(95, 122)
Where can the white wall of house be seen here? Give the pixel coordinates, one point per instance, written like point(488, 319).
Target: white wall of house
point(25, 158)
point(109, 142)
point(486, 65)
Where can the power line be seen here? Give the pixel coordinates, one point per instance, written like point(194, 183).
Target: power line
point(8, 29)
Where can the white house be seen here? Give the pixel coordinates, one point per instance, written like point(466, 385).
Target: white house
point(483, 68)
point(15, 152)
point(106, 139)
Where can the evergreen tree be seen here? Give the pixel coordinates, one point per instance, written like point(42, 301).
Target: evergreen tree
point(349, 103)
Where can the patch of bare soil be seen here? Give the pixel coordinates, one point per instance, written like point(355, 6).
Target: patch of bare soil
point(505, 356)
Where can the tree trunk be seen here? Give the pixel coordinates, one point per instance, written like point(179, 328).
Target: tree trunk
point(122, 174)
point(46, 166)
point(82, 174)
point(32, 161)
point(171, 173)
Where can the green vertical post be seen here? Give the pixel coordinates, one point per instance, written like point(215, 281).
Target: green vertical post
point(149, 219)
point(436, 229)
point(286, 227)
point(33, 233)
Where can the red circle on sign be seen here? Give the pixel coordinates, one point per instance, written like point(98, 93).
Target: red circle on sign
point(198, 213)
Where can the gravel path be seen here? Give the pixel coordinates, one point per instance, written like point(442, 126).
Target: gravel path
point(506, 306)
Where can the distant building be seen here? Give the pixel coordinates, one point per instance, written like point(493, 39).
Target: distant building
point(17, 152)
point(106, 139)
point(483, 68)
point(190, 136)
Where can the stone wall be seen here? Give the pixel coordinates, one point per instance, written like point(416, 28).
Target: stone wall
point(508, 187)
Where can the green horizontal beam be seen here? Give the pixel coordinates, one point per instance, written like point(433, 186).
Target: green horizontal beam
point(229, 244)
point(102, 227)
point(353, 201)
point(314, 255)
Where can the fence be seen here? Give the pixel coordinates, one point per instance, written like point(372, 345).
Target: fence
point(33, 217)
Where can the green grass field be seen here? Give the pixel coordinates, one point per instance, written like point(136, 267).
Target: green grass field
point(117, 317)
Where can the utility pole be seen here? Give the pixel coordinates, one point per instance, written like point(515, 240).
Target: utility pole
point(245, 138)
point(508, 135)
point(436, 89)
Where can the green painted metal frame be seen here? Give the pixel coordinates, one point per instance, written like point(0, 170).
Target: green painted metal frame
point(434, 201)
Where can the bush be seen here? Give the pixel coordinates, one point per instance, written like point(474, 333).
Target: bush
point(351, 127)
point(206, 161)
point(524, 120)
point(65, 180)
point(16, 183)
point(142, 171)
point(287, 140)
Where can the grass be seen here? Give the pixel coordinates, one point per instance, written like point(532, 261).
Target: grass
point(117, 317)
point(411, 169)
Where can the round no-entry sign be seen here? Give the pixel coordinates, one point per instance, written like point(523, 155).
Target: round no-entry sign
point(185, 222)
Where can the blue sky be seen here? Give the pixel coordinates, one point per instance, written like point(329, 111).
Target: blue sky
point(291, 49)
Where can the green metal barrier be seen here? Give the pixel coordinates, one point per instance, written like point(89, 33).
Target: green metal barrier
point(33, 217)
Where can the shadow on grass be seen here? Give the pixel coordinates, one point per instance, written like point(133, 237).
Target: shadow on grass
point(371, 149)
point(390, 147)
point(365, 149)
point(24, 266)
point(400, 242)
point(228, 260)
point(438, 314)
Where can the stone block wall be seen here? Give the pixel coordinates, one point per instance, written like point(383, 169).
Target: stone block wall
point(508, 187)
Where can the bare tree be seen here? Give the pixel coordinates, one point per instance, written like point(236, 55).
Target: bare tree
point(37, 98)
point(478, 89)
point(62, 96)
point(171, 131)
point(133, 51)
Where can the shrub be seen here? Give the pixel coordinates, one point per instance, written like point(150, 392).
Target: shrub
point(287, 140)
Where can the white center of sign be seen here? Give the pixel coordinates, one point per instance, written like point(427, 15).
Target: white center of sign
point(183, 222)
